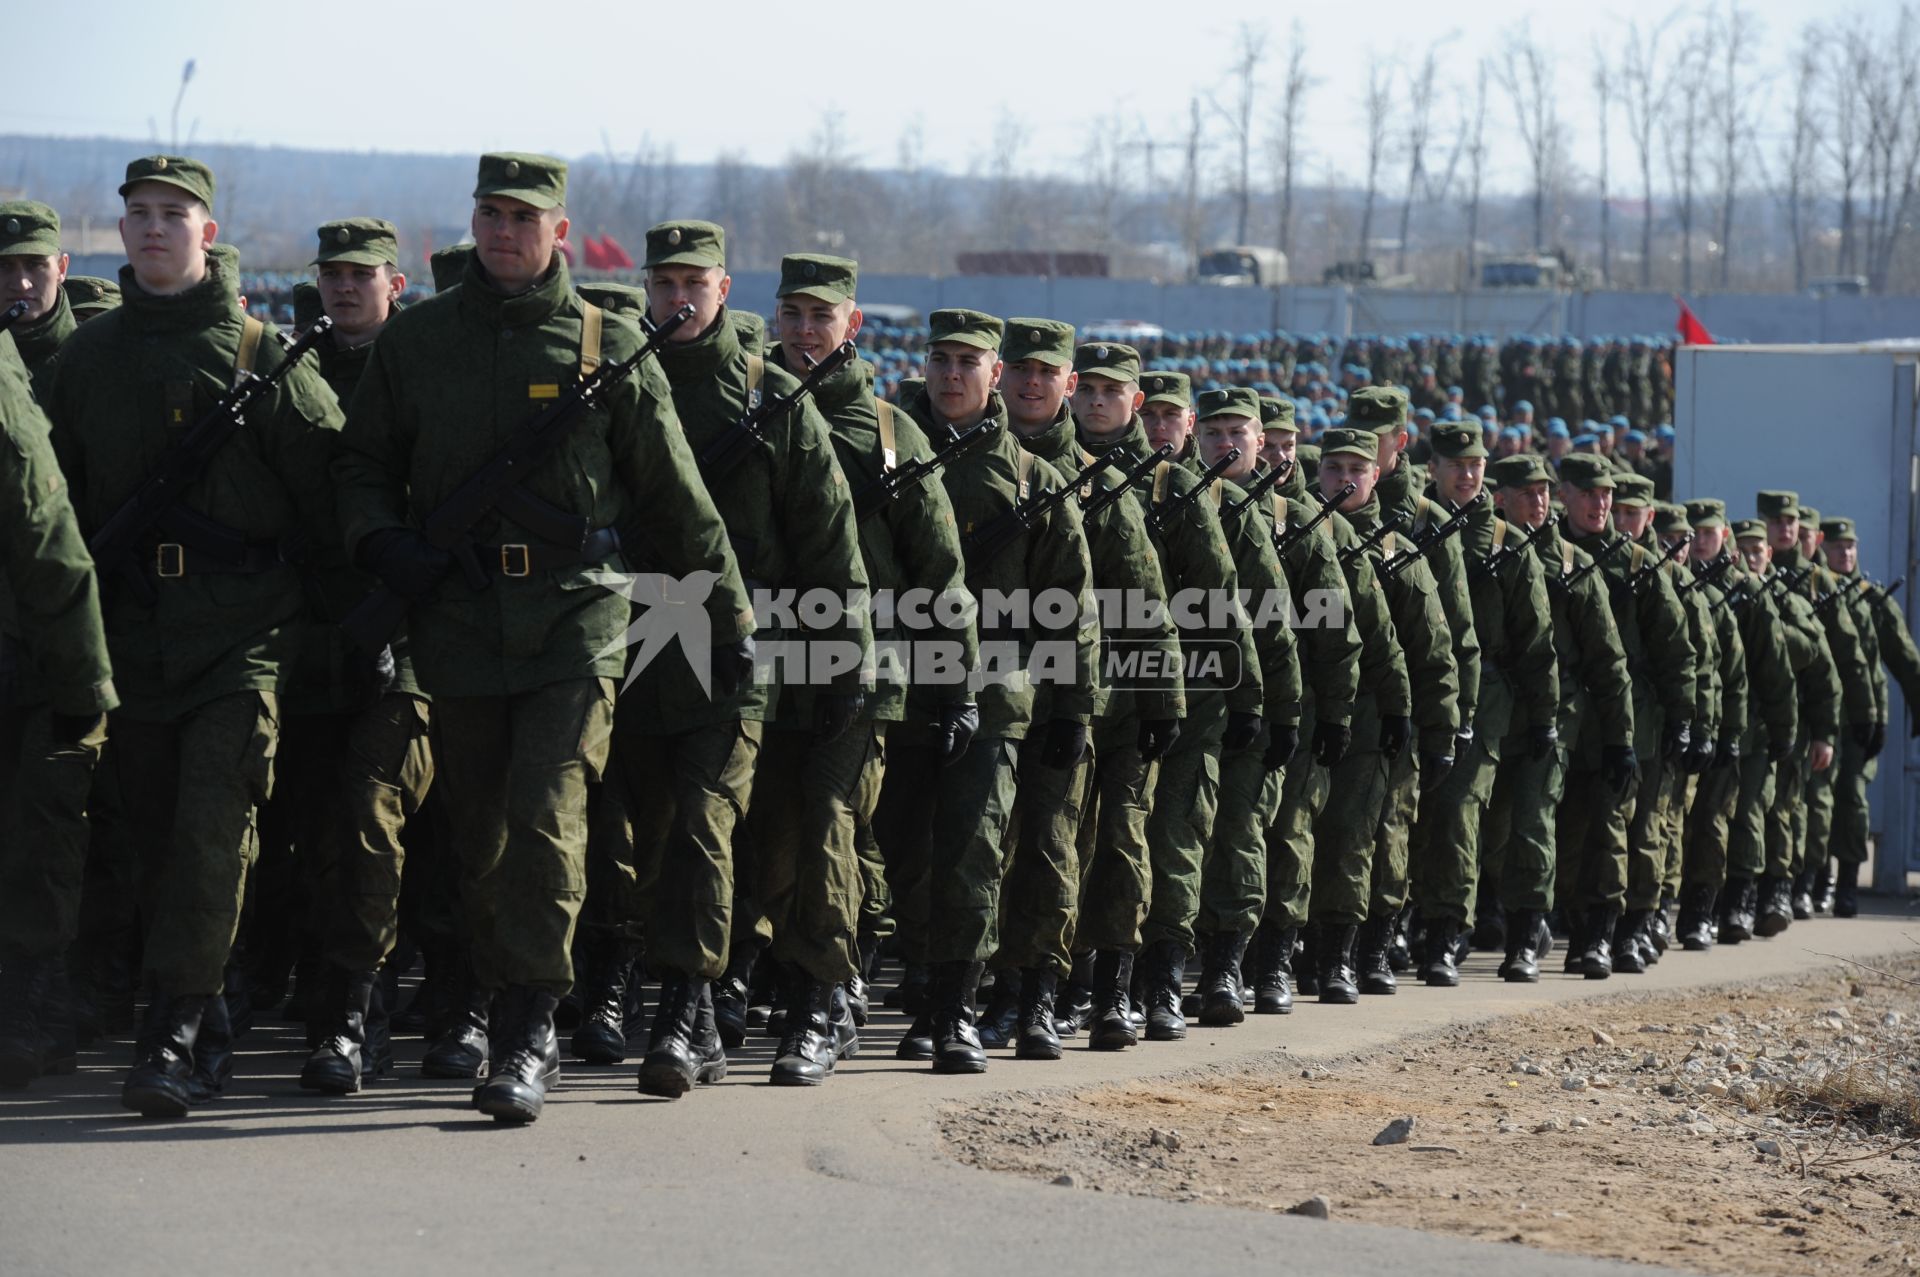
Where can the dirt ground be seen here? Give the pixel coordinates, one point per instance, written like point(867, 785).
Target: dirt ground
point(1763, 1129)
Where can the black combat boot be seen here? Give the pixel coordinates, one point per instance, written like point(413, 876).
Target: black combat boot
point(1596, 948)
point(840, 1023)
point(684, 1047)
point(1846, 891)
point(1490, 927)
point(461, 1051)
point(1575, 919)
point(1628, 957)
point(910, 995)
point(1273, 969)
point(1400, 951)
point(1823, 886)
point(1523, 929)
point(1659, 929)
point(1221, 980)
point(730, 993)
point(1163, 969)
point(602, 1035)
point(1073, 1005)
point(1442, 957)
point(213, 1049)
point(806, 1054)
point(1001, 1021)
point(859, 1001)
point(950, 995)
point(53, 1008)
point(1336, 944)
point(376, 1056)
point(1801, 901)
point(1696, 929)
point(1110, 1028)
point(1039, 1034)
point(23, 1047)
point(1374, 965)
point(529, 1063)
point(1736, 919)
point(1306, 967)
point(335, 1065)
point(161, 1081)
point(1776, 906)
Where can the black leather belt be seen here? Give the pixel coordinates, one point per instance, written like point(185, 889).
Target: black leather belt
point(173, 559)
point(524, 559)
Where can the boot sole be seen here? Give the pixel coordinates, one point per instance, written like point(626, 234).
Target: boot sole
point(511, 1108)
point(329, 1084)
point(665, 1080)
point(1050, 1052)
point(1273, 1010)
point(1111, 1044)
point(451, 1072)
point(1771, 926)
point(1521, 977)
point(1222, 1017)
point(148, 1102)
point(959, 1066)
point(599, 1057)
point(1166, 1033)
point(1596, 975)
point(1339, 999)
point(1440, 981)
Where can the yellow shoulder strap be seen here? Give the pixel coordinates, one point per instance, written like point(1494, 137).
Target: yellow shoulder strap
point(1162, 479)
point(1026, 473)
point(1387, 543)
point(756, 373)
point(1639, 555)
point(1218, 495)
point(1566, 557)
point(884, 411)
point(591, 317)
point(1279, 510)
point(1499, 533)
point(251, 330)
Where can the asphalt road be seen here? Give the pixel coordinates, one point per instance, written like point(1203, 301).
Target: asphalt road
point(741, 1177)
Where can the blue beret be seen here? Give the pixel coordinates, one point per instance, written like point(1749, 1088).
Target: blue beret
point(1618, 420)
point(1450, 412)
point(1423, 414)
point(1663, 432)
point(1512, 432)
point(1455, 390)
point(1523, 406)
point(1636, 436)
point(1557, 428)
point(1582, 440)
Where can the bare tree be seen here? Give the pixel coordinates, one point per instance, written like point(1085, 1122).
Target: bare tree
point(1848, 52)
point(1644, 85)
point(1244, 77)
point(1732, 117)
point(1379, 106)
point(1682, 135)
point(1529, 78)
point(1476, 148)
point(1603, 86)
point(1800, 155)
point(1890, 75)
point(1286, 138)
point(1419, 130)
point(1190, 213)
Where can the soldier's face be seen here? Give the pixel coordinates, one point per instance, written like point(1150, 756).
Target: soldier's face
point(960, 380)
point(1526, 504)
point(515, 241)
point(1842, 556)
point(1632, 520)
point(166, 233)
point(1757, 553)
point(704, 288)
point(1104, 406)
point(1217, 436)
point(1391, 443)
point(1686, 546)
point(1707, 544)
point(1338, 469)
point(1588, 509)
point(1459, 478)
point(1810, 539)
point(1277, 447)
point(812, 326)
point(1167, 423)
point(359, 298)
point(1034, 390)
point(36, 280)
point(1783, 532)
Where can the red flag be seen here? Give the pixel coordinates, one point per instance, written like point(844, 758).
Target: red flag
point(596, 255)
point(617, 258)
point(1692, 331)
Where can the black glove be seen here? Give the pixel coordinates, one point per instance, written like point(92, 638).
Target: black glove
point(958, 722)
point(1066, 741)
point(1395, 731)
point(1673, 740)
point(71, 729)
point(732, 667)
point(1330, 741)
point(834, 712)
point(1243, 728)
point(1861, 734)
point(1878, 741)
point(1541, 740)
point(409, 564)
point(1433, 769)
point(1727, 753)
point(1618, 766)
point(1699, 755)
point(1282, 745)
point(1781, 749)
point(369, 677)
point(1157, 736)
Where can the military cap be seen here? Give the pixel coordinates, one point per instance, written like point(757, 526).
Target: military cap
point(1519, 470)
point(1748, 529)
point(1109, 359)
point(1669, 518)
point(968, 327)
point(831, 279)
point(1707, 512)
point(1228, 401)
point(1776, 501)
point(689, 243)
point(1838, 529)
point(1587, 441)
point(1585, 470)
point(1522, 406)
point(307, 305)
point(750, 328)
point(1378, 408)
point(1168, 387)
point(363, 241)
point(1047, 340)
point(621, 299)
point(448, 264)
point(539, 180)
point(191, 176)
point(1809, 517)
point(87, 295)
point(1277, 414)
point(1633, 492)
point(29, 228)
point(1345, 439)
point(1458, 441)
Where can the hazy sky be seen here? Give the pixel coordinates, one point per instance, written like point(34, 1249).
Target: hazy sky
point(756, 78)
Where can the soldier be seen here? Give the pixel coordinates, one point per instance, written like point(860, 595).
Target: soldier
point(1518, 699)
point(33, 269)
point(521, 663)
point(89, 297)
point(942, 820)
point(1233, 875)
point(50, 756)
point(1053, 899)
point(684, 760)
point(1717, 712)
point(201, 629)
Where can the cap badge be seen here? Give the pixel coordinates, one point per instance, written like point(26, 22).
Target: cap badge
point(810, 270)
point(342, 236)
point(673, 236)
point(513, 168)
point(13, 226)
point(160, 164)
point(1099, 352)
point(1034, 336)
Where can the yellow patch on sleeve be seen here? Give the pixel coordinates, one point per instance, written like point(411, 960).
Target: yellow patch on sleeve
point(543, 390)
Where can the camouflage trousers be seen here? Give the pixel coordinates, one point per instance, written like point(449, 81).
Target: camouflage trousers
point(43, 857)
point(1752, 805)
point(1040, 892)
point(517, 769)
point(1444, 859)
point(1233, 877)
point(191, 786)
point(383, 771)
point(1707, 838)
point(1647, 832)
point(1820, 801)
point(1393, 838)
point(876, 899)
point(1786, 825)
point(1685, 791)
point(1304, 786)
point(1186, 798)
point(1852, 817)
point(1116, 873)
point(1590, 839)
point(1345, 831)
point(1518, 857)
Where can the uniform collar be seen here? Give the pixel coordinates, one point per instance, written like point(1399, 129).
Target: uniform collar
point(685, 362)
point(1133, 439)
point(41, 338)
point(1058, 442)
point(479, 294)
point(845, 388)
point(214, 298)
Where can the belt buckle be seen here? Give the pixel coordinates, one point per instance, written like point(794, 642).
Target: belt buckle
point(170, 559)
point(515, 560)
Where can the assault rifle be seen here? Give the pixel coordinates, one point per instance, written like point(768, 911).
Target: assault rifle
point(1161, 515)
point(1286, 540)
point(13, 314)
point(1567, 580)
point(1105, 497)
point(914, 471)
point(1637, 579)
point(1707, 575)
point(1260, 488)
point(729, 449)
point(1491, 565)
point(985, 543)
point(1351, 555)
point(1423, 545)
